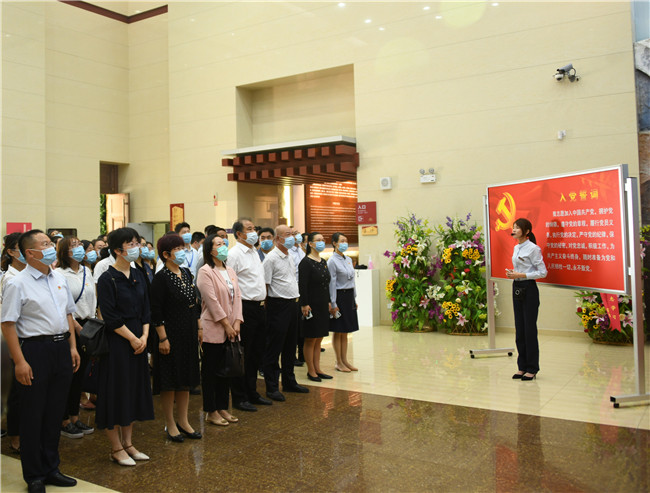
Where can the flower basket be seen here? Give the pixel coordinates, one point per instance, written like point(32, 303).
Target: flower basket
point(412, 285)
point(462, 273)
point(596, 322)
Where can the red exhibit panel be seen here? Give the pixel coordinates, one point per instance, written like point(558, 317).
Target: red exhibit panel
point(578, 221)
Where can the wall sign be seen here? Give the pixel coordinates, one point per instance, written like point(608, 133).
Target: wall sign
point(578, 221)
point(176, 214)
point(366, 212)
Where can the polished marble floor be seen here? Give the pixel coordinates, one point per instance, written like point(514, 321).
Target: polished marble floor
point(420, 415)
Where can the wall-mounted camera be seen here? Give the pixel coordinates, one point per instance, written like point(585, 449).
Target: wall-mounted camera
point(567, 72)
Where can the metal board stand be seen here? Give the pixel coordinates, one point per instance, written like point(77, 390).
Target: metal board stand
point(634, 271)
point(492, 350)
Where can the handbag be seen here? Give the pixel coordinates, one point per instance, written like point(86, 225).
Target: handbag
point(93, 337)
point(233, 360)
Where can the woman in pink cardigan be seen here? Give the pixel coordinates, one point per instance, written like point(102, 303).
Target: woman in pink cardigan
point(221, 316)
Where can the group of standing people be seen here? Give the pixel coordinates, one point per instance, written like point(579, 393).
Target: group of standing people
point(199, 297)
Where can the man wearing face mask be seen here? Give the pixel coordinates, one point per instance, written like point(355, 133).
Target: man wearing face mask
point(245, 261)
point(282, 313)
point(38, 326)
point(266, 242)
point(297, 254)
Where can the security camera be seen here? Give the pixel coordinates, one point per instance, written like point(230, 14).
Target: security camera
point(565, 69)
point(559, 76)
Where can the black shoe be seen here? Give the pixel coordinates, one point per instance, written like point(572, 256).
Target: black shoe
point(296, 388)
point(298, 363)
point(517, 376)
point(324, 376)
point(195, 435)
point(276, 396)
point(524, 378)
point(37, 486)
point(195, 391)
point(245, 406)
point(261, 401)
point(322, 350)
point(59, 479)
point(176, 438)
point(313, 379)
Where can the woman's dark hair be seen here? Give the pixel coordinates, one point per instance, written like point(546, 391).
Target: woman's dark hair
point(10, 243)
point(62, 253)
point(86, 244)
point(167, 243)
point(104, 253)
point(336, 236)
point(118, 237)
point(527, 227)
point(310, 238)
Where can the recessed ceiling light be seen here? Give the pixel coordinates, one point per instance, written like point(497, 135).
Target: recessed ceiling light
point(341, 4)
point(382, 28)
point(368, 21)
point(495, 4)
point(192, 20)
point(426, 7)
point(438, 17)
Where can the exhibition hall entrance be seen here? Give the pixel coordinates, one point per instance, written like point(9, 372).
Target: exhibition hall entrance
point(310, 184)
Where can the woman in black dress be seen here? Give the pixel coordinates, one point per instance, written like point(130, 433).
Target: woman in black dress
point(175, 314)
point(314, 280)
point(124, 388)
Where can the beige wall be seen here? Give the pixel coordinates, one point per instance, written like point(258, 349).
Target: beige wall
point(471, 94)
point(65, 77)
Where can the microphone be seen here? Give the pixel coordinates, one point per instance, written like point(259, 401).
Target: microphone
point(512, 234)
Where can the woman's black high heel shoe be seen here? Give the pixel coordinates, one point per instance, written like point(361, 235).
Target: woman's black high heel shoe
point(517, 376)
point(313, 379)
point(195, 435)
point(524, 378)
point(177, 438)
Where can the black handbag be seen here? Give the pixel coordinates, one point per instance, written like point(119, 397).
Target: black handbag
point(93, 337)
point(233, 360)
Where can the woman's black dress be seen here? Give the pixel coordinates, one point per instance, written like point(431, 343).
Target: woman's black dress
point(124, 387)
point(314, 281)
point(174, 305)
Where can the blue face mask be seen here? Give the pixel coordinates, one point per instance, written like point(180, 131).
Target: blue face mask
point(49, 255)
point(225, 242)
point(151, 255)
point(343, 247)
point(78, 253)
point(251, 238)
point(298, 238)
point(187, 237)
point(132, 254)
point(266, 245)
point(91, 256)
point(179, 257)
point(222, 252)
point(320, 246)
point(289, 242)
point(144, 252)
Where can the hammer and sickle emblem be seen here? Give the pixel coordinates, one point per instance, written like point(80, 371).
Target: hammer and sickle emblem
point(507, 212)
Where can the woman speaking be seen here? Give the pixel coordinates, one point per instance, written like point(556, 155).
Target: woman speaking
point(528, 265)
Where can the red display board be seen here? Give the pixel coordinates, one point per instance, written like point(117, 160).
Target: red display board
point(578, 221)
point(18, 227)
point(331, 208)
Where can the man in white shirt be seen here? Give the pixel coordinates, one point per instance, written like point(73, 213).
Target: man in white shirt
point(38, 326)
point(246, 263)
point(297, 254)
point(282, 314)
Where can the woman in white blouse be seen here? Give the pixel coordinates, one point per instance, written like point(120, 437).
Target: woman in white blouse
point(343, 294)
point(71, 254)
point(527, 265)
